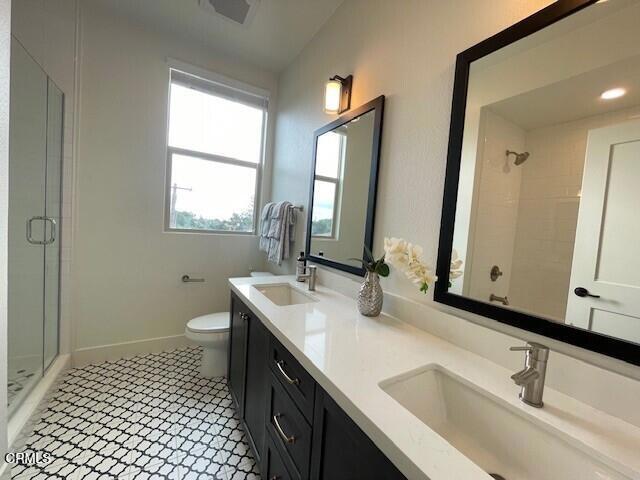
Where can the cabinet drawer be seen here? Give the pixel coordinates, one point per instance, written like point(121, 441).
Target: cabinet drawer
point(273, 466)
point(293, 377)
point(289, 429)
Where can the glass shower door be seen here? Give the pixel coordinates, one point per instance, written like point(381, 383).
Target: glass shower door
point(53, 214)
point(27, 170)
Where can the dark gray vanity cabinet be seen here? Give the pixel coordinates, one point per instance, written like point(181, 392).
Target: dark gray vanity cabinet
point(341, 450)
point(238, 335)
point(273, 466)
point(255, 394)
point(295, 428)
point(247, 371)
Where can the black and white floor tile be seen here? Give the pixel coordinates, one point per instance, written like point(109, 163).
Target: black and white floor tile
point(148, 417)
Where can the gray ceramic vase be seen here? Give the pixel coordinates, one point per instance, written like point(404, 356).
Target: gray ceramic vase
point(370, 296)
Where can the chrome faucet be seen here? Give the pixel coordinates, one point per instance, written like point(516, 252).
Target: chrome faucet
point(311, 275)
point(531, 377)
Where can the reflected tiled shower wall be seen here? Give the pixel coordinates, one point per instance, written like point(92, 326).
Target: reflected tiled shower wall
point(498, 191)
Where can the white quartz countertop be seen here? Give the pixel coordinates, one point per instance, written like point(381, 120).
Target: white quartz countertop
point(349, 355)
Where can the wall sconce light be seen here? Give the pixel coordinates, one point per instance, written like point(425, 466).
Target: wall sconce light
point(337, 94)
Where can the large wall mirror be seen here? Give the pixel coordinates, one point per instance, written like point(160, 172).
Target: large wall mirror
point(343, 187)
point(543, 177)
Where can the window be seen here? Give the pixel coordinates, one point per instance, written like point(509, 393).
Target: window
point(215, 150)
point(326, 189)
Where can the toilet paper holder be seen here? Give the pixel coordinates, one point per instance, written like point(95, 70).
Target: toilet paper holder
point(187, 279)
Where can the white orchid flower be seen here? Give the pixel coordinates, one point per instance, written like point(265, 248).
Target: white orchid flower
point(395, 252)
point(407, 258)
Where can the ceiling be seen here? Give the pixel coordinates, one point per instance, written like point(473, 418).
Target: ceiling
point(276, 34)
point(575, 97)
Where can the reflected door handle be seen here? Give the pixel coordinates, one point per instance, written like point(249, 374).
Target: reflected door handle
point(583, 292)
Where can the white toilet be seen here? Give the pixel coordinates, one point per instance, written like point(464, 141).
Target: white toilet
point(211, 332)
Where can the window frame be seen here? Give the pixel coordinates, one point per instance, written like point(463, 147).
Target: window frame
point(337, 195)
point(171, 151)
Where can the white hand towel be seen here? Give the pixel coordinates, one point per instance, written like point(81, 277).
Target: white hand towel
point(280, 232)
point(265, 222)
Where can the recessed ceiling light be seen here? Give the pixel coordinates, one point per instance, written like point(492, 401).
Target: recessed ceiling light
point(613, 93)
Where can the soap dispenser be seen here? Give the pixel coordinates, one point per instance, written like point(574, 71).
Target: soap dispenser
point(301, 262)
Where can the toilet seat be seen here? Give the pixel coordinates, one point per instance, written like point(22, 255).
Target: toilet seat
point(210, 323)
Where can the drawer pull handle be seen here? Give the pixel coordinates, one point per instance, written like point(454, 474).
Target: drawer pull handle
point(244, 316)
point(290, 381)
point(284, 436)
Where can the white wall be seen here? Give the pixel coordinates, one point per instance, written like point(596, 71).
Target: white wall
point(126, 269)
point(406, 50)
point(5, 49)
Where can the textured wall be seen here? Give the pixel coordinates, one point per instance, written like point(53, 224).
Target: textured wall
point(405, 50)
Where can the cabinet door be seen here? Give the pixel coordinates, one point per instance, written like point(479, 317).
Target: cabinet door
point(274, 465)
point(341, 451)
point(238, 352)
point(256, 384)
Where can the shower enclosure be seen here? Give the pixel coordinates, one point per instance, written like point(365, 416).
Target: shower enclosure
point(35, 202)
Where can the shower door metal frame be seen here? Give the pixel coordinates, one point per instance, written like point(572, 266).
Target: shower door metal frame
point(56, 229)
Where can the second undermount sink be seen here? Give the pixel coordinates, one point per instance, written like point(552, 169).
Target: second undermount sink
point(496, 436)
point(283, 294)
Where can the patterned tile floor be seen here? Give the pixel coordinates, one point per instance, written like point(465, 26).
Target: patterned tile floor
point(148, 417)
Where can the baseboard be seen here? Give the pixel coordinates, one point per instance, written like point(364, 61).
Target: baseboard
point(25, 412)
point(116, 351)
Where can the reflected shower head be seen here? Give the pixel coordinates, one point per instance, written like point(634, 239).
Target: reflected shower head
point(520, 157)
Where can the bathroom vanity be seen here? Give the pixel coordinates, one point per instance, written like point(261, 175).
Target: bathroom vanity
point(325, 393)
point(296, 429)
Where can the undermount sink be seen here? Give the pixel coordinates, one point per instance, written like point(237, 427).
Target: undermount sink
point(283, 294)
point(493, 434)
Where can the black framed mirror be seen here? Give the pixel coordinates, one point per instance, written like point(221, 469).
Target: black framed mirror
point(344, 178)
point(542, 177)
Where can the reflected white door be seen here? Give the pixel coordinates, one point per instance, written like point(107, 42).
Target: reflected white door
point(606, 262)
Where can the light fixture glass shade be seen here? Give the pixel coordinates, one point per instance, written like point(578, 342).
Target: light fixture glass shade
point(332, 96)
